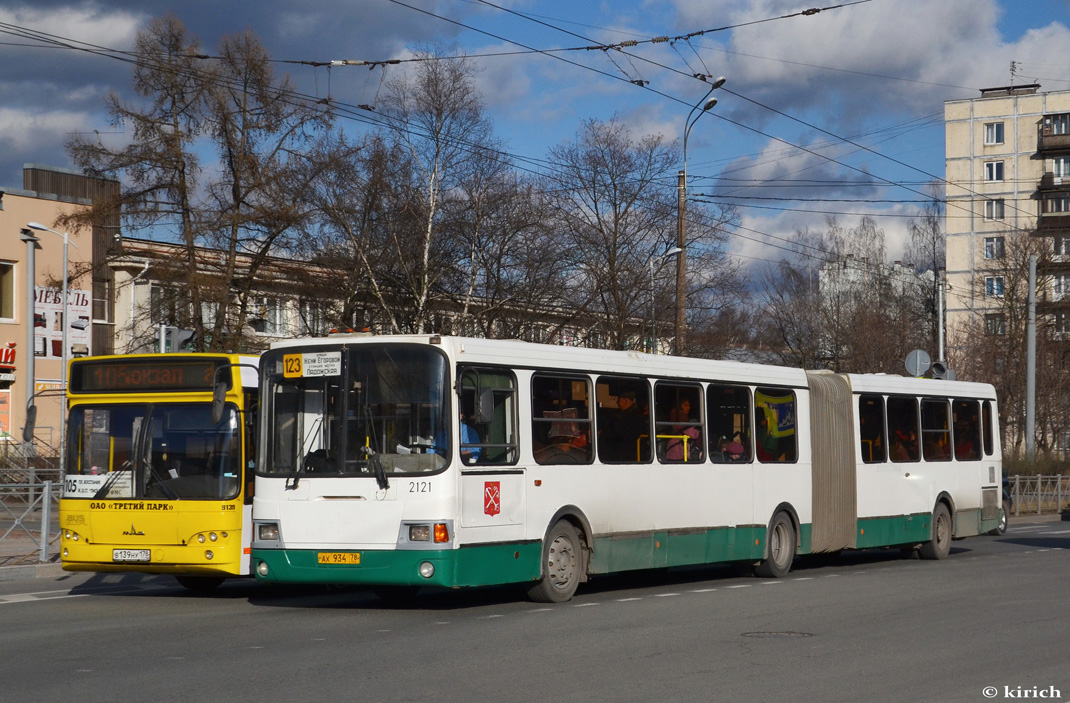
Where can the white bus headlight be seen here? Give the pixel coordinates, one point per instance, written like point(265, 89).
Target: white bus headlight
point(427, 569)
point(268, 531)
point(419, 533)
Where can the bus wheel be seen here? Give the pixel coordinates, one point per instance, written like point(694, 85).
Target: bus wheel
point(940, 545)
point(199, 584)
point(781, 548)
point(562, 565)
point(1004, 515)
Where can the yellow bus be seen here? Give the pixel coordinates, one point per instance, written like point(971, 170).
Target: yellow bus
point(157, 480)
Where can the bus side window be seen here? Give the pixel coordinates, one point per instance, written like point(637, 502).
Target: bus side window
point(488, 404)
point(728, 417)
point(966, 430)
point(678, 423)
point(561, 420)
point(623, 420)
point(986, 426)
point(871, 429)
point(903, 428)
point(935, 430)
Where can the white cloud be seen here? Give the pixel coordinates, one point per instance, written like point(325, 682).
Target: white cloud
point(87, 22)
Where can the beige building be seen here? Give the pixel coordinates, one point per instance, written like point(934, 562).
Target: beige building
point(47, 195)
point(1008, 192)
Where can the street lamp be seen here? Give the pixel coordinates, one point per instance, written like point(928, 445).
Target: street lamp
point(681, 221)
point(653, 318)
point(66, 323)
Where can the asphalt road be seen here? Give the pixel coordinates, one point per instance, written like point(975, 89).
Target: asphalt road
point(990, 623)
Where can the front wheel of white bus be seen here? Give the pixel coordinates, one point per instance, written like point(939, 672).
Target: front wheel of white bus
point(781, 548)
point(562, 565)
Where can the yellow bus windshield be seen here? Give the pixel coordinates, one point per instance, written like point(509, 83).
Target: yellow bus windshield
point(153, 451)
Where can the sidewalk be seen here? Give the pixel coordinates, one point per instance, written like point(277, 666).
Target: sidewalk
point(20, 558)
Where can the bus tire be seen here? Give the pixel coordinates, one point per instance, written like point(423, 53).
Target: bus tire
point(1004, 516)
point(199, 584)
point(940, 545)
point(562, 565)
point(780, 548)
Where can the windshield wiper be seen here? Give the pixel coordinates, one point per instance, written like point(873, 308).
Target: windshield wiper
point(295, 476)
point(377, 468)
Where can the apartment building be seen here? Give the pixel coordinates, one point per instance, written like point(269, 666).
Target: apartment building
point(1008, 195)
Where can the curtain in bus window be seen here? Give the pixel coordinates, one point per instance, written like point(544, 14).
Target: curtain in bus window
point(774, 418)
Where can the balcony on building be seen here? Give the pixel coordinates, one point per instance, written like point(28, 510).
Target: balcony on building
point(1053, 133)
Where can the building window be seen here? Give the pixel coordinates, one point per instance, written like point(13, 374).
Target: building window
point(313, 322)
point(1060, 166)
point(1062, 246)
point(1057, 124)
point(994, 286)
point(994, 247)
point(1060, 286)
point(1056, 203)
point(7, 291)
point(267, 315)
point(995, 324)
point(993, 133)
point(993, 170)
point(1061, 323)
point(994, 209)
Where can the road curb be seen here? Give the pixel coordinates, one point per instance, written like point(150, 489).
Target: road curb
point(25, 572)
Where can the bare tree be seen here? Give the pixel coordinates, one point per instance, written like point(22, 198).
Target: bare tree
point(436, 116)
point(159, 167)
point(611, 196)
point(843, 306)
point(235, 104)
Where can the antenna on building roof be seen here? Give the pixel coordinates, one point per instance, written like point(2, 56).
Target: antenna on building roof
point(1014, 70)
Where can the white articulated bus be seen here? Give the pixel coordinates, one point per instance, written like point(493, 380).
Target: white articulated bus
point(425, 460)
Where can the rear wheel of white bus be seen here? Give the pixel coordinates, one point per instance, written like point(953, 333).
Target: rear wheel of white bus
point(562, 565)
point(940, 545)
point(780, 552)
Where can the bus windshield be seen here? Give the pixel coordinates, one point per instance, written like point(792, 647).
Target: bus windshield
point(369, 410)
point(162, 452)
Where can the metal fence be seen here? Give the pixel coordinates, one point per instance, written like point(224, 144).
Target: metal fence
point(28, 524)
point(1039, 494)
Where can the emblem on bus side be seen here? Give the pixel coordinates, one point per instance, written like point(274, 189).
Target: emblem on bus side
point(492, 497)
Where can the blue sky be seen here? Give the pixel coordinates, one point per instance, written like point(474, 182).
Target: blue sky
point(876, 72)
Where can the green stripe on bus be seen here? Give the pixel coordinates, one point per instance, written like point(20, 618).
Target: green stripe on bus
point(475, 565)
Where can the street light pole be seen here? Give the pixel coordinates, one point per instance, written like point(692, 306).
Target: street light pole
point(31, 243)
point(653, 318)
point(65, 353)
point(680, 328)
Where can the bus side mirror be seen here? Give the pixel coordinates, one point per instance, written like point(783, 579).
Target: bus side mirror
point(31, 421)
point(484, 409)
